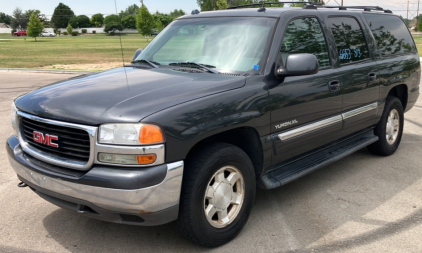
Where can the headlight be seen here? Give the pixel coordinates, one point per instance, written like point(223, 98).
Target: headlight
point(14, 119)
point(130, 134)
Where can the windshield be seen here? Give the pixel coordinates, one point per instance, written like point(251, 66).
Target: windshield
point(226, 43)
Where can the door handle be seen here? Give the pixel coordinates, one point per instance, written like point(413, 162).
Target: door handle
point(334, 85)
point(372, 77)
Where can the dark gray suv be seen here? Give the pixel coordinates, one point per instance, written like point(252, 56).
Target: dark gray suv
point(219, 103)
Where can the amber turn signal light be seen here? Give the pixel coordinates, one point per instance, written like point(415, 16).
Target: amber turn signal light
point(146, 159)
point(150, 134)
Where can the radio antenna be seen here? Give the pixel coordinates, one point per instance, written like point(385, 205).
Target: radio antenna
point(121, 47)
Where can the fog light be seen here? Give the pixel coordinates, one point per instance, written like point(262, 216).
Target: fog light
point(126, 159)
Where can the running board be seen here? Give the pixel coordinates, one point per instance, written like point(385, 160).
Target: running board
point(288, 172)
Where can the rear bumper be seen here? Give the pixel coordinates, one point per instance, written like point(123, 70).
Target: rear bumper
point(94, 194)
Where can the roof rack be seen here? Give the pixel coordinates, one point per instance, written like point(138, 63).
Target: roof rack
point(365, 8)
point(262, 4)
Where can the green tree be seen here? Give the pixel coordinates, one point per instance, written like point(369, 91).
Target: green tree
point(84, 21)
point(4, 18)
point(20, 20)
point(74, 22)
point(69, 29)
point(61, 16)
point(112, 18)
point(165, 19)
point(206, 5)
point(144, 21)
point(131, 10)
point(209, 5)
point(43, 18)
point(159, 26)
point(298, 4)
point(420, 24)
point(129, 22)
point(35, 26)
point(111, 27)
point(221, 4)
point(177, 13)
point(97, 20)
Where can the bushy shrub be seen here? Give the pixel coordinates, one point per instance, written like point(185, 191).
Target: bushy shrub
point(94, 32)
point(58, 32)
point(75, 33)
point(84, 30)
point(111, 33)
point(65, 33)
point(13, 31)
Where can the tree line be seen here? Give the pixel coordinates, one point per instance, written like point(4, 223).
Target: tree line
point(63, 15)
point(210, 5)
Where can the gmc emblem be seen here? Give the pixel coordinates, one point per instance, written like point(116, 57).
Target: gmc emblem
point(45, 139)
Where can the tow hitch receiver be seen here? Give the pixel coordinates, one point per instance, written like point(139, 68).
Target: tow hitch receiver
point(22, 185)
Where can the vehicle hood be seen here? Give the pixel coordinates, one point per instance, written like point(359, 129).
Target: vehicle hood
point(122, 94)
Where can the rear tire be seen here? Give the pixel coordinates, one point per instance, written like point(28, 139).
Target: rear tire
point(389, 129)
point(217, 196)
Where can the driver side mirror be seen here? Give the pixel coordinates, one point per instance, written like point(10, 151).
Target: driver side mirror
point(299, 65)
point(137, 53)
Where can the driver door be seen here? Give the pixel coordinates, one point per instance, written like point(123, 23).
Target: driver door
point(305, 110)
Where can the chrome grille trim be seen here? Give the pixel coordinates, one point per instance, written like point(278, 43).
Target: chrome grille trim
point(52, 159)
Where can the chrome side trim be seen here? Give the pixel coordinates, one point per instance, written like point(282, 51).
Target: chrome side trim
point(359, 110)
point(324, 123)
point(49, 158)
point(310, 128)
point(158, 150)
point(146, 200)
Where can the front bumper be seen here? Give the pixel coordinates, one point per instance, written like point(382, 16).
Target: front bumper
point(105, 192)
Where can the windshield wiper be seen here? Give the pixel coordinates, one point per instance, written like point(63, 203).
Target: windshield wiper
point(204, 66)
point(151, 63)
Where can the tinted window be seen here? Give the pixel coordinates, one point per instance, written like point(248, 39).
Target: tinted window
point(305, 36)
point(391, 34)
point(350, 41)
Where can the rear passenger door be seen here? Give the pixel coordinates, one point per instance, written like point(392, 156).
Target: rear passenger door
point(358, 72)
point(305, 110)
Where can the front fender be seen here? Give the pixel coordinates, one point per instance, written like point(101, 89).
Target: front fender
point(189, 123)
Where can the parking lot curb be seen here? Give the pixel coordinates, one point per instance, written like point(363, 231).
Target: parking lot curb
point(49, 71)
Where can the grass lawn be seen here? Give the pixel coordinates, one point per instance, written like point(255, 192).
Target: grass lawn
point(418, 41)
point(15, 52)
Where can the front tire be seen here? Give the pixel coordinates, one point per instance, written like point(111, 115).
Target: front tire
point(389, 128)
point(218, 192)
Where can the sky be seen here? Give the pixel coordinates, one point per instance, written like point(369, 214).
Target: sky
point(89, 7)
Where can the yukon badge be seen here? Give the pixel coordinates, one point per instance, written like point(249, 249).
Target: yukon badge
point(288, 123)
point(45, 139)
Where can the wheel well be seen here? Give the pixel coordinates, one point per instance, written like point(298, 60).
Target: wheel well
point(246, 138)
point(400, 92)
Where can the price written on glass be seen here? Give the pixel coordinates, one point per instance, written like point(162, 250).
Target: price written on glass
point(346, 54)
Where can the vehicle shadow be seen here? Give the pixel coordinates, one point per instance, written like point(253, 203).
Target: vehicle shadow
point(292, 218)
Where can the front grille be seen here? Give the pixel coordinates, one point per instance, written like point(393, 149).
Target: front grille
point(74, 144)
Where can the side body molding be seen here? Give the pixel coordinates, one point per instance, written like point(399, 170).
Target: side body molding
point(291, 134)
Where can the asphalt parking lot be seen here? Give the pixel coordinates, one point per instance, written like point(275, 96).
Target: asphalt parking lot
point(362, 203)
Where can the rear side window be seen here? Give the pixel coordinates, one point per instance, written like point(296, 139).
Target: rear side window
point(305, 35)
point(391, 34)
point(350, 41)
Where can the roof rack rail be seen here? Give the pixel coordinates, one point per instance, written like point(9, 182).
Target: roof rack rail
point(262, 4)
point(365, 8)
